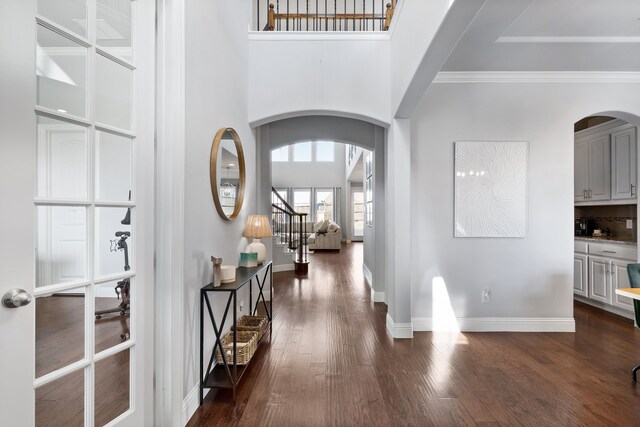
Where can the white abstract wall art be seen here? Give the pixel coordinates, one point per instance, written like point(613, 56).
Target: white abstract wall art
point(491, 188)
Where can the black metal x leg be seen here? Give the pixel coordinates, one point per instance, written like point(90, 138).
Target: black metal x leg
point(218, 332)
point(261, 294)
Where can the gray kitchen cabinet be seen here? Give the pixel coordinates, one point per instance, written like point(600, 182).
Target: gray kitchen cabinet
point(623, 163)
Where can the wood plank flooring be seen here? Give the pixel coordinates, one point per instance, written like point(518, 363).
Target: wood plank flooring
point(331, 362)
point(60, 342)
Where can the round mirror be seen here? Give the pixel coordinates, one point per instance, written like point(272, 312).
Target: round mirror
point(227, 174)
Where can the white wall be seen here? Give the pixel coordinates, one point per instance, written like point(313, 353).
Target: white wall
point(414, 27)
point(216, 73)
point(529, 277)
point(350, 77)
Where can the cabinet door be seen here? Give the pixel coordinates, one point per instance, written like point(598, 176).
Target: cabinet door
point(623, 164)
point(599, 281)
point(620, 279)
point(581, 171)
point(580, 275)
point(599, 168)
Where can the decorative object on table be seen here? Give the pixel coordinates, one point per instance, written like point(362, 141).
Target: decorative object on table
point(217, 273)
point(247, 342)
point(491, 189)
point(248, 259)
point(227, 273)
point(258, 324)
point(227, 154)
point(257, 227)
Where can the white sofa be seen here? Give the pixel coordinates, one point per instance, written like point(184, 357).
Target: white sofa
point(326, 235)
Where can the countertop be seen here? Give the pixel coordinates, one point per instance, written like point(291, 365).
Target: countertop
point(606, 240)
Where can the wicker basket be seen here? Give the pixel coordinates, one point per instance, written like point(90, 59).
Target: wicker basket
point(257, 324)
point(246, 345)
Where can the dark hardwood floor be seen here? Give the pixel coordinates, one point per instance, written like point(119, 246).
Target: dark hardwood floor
point(60, 342)
point(331, 362)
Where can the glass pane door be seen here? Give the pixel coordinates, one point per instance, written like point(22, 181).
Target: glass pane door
point(85, 212)
point(358, 213)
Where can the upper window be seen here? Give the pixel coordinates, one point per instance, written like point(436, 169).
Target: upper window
point(324, 151)
point(280, 154)
point(302, 152)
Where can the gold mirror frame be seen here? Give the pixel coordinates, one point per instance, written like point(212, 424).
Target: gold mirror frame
point(215, 149)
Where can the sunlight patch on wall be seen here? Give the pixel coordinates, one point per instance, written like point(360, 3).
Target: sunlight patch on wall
point(444, 319)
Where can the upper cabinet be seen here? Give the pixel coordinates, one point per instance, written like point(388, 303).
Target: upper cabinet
point(605, 166)
point(623, 163)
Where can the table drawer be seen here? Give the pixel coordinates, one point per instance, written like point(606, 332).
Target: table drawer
point(614, 251)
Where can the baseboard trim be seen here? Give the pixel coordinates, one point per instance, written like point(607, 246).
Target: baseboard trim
point(399, 330)
point(191, 403)
point(378, 296)
point(283, 267)
point(368, 276)
point(503, 324)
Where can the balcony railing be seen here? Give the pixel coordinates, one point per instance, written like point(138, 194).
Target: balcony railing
point(324, 15)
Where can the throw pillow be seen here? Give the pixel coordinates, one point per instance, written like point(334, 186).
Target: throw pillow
point(324, 227)
point(317, 226)
point(333, 227)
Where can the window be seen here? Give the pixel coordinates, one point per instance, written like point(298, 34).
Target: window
point(302, 201)
point(324, 204)
point(324, 151)
point(358, 213)
point(302, 152)
point(368, 188)
point(280, 154)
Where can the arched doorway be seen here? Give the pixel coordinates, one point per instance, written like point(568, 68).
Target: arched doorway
point(343, 130)
point(605, 208)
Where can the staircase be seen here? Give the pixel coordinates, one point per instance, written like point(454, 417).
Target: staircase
point(289, 233)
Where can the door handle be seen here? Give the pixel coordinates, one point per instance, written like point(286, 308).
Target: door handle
point(16, 298)
point(632, 187)
point(590, 193)
point(584, 194)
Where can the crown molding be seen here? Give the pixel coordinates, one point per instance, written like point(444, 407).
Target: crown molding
point(537, 77)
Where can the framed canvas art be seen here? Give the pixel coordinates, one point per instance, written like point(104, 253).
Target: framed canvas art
point(490, 188)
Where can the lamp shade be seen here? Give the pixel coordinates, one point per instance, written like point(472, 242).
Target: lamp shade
point(257, 227)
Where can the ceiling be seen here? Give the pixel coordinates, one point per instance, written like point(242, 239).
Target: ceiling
point(551, 35)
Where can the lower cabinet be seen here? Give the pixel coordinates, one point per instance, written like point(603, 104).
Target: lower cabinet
point(620, 279)
point(599, 279)
point(596, 275)
point(580, 283)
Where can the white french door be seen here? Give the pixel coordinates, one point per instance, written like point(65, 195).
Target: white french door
point(76, 119)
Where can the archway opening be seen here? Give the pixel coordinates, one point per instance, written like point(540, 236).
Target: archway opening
point(605, 209)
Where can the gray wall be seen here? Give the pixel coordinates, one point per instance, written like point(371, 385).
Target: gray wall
point(216, 97)
point(529, 277)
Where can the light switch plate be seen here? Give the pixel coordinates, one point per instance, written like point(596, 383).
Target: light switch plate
point(629, 223)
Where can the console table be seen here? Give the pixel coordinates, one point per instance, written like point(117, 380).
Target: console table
point(228, 374)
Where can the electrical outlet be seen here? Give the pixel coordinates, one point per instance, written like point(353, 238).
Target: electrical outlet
point(486, 295)
point(241, 305)
point(629, 223)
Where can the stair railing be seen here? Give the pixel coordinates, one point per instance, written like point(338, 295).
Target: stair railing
point(325, 15)
point(290, 227)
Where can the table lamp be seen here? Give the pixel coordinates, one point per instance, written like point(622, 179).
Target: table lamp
point(257, 227)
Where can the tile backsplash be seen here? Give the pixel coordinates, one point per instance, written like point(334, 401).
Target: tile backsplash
point(612, 217)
